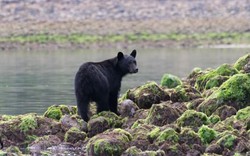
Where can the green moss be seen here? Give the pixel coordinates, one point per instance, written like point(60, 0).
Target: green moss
point(192, 118)
point(28, 122)
point(133, 151)
point(243, 114)
point(168, 134)
point(14, 150)
point(57, 111)
point(123, 132)
point(2, 153)
point(113, 119)
point(170, 81)
point(207, 134)
point(74, 134)
point(227, 141)
point(214, 78)
point(214, 119)
point(242, 61)
point(235, 90)
point(152, 135)
point(137, 123)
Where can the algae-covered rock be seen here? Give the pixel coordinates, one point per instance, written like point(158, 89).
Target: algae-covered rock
point(109, 143)
point(227, 141)
point(184, 93)
point(146, 95)
point(103, 121)
point(57, 111)
point(234, 92)
point(196, 72)
point(241, 62)
point(74, 135)
point(215, 78)
point(13, 150)
point(243, 114)
point(28, 122)
point(134, 151)
point(193, 119)
point(68, 121)
point(162, 114)
point(207, 134)
point(170, 81)
point(189, 137)
point(169, 135)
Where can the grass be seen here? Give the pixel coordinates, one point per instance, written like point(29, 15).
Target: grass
point(85, 38)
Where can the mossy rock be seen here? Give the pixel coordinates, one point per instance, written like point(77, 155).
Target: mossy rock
point(109, 143)
point(170, 81)
point(193, 119)
point(169, 135)
point(74, 135)
point(146, 95)
point(227, 141)
point(234, 92)
point(152, 135)
point(162, 114)
point(213, 119)
point(103, 121)
point(134, 151)
point(28, 122)
point(196, 72)
point(214, 78)
point(57, 111)
point(207, 134)
point(189, 137)
point(225, 111)
point(241, 62)
point(184, 93)
point(243, 114)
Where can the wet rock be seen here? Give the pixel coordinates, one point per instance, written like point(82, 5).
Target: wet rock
point(134, 151)
point(192, 119)
point(13, 150)
point(42, 143)
point(227, 141)
point(172, 150)
point(162, 114)
point(127, 108)
point(146, 95)
point(68, 121)
point(184, 93)
point(214, 148)
point(103, 121)
point(168, 135)
point(57, 111)
point(225, 111)
point(214, 78)
point(113, 142)
point(234, 92)
point(170, 81)
point(74, 135)
point(196, 72)
point(243, 114)
point(193, 104)
point(242, 62)
point(139, 117)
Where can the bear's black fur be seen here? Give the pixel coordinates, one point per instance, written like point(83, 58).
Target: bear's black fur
point(101, 81)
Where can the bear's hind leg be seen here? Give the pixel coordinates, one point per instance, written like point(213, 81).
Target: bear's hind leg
point(113, 103)
point(83, 108)
point(102, 104)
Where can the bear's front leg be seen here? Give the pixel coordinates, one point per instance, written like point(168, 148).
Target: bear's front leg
point(113, 102)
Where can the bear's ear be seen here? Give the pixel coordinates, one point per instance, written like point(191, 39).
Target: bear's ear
point(120, 56)
point(133, 53)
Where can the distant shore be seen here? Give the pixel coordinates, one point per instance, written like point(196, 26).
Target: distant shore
point(92, 24)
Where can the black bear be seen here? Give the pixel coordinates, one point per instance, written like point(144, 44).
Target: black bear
point(101, 82)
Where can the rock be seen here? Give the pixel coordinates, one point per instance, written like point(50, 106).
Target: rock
point(242, 62)
point(225, 111)
point(113, 142)
point(193, 104)
point(57, 111)
point(103, 121)
point(196, 72)
point(243, 114)
point(42, 143)
point(192, 119)
point(73, 135)
point(162, 114)
point(146, 95)
point(168, 135)
point(214, 148)
point(227, 141)
point(134, 151)
point(214, 78)
point(184, 93)
point(127, 108)
point(170, 81)
point(189, 137)
point(68, 121)
point(234, 92)
point(13, 150)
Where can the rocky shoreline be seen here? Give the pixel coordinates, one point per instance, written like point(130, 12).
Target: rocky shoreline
point(206, 113)
point(26, 18)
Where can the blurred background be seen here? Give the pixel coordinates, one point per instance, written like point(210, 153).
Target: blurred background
point(43, 43)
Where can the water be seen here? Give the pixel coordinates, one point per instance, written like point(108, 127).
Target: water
point(31, 81)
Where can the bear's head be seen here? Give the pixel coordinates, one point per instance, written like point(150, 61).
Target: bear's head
point(127, 63)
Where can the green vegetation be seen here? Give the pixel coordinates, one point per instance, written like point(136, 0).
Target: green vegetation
point(206, 134)
point(170, 81)
point(86, 38)
point(28, 122)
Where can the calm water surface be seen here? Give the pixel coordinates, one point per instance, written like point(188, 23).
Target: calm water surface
point(30, 81)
